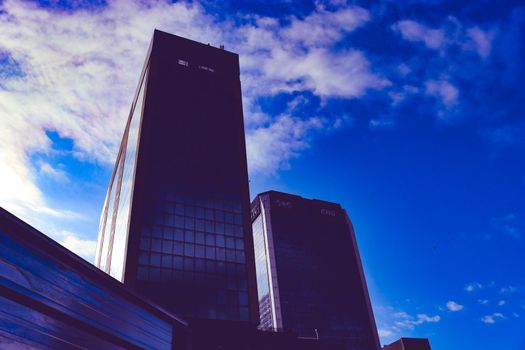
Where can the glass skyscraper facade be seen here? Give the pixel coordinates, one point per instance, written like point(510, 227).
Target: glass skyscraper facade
point(309, 274)
point(175, 225)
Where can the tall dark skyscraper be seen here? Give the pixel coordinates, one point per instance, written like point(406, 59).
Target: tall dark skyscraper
point(309, 274)
point(175, 224)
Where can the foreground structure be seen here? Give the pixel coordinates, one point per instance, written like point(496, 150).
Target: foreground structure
point(175, 225)
point(52, 299)
point(309, 274)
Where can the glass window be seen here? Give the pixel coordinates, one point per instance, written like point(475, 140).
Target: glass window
point(210, 239)
point(219, 228)
point(169, 233)
point(145, 244)
point(166, 261)
point(143, 258)
point(228, 218)
point(188, 211)
point(169, 220)
point(189, 223)
point(221, 297)
point(210, 253)
point(237, 207)
point(157, 232)
point(199, 213)
point(167, 247)
point(238, 219)
point(156, 245)
point(200, 251)
point(179, 209)
point(230, 255)
point(146, 232)
point(189, 249)
point(219, 215)
point(232, 282)
point(177, 262)
point(189, 236)
point(199, 237)
point(240, 256)
point(155, 259)
point(179, 235)
point(221, 267)
point(243, 284)
point(200, 265)
point(199, 225)
point(209, 214)
point(239, 232)
point(188, 264)
point(221, 254)
point(210, 266)
point(179, 221)
point(230, 242)
point(178, 248)
point(229, 229)
point(209, 226)
point(239, 244)
point(220, 240)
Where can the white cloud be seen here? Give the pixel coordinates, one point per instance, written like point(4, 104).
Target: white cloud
point(491, 319)
point(507, 224)
point(393, 323)
point(483, 301)
point(508, 290)
point(423, 318)
point(453, 306)
point(271, 147)
point(452, 33)
point(501, 302)
point(385, 333)
point(482, 41)
point(472, 286)
point(445, 91)
point(414, 31)
point(82, 247)
point(324, 27)
point(79, 70)
point(52, 172)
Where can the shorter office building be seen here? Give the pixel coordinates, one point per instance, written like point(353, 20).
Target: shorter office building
point(309, 275)
point(409, 344)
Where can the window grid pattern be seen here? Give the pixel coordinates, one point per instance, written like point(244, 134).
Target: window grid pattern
point(192, 240)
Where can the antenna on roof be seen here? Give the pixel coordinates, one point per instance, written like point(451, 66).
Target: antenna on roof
point(222, 47)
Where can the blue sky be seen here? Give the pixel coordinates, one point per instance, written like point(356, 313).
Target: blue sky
point(410, 115)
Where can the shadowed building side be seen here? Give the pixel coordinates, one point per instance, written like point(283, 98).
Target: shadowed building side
point(309, 273)
point(175, 225)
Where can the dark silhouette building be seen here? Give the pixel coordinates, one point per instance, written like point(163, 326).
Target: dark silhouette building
point(409, 344)
point(309, 274)
point(175, 224)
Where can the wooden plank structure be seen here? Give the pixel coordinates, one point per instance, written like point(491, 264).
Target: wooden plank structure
point(50, 298)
